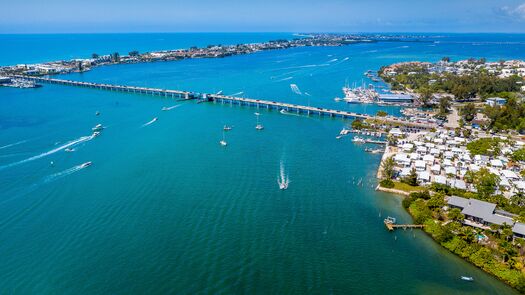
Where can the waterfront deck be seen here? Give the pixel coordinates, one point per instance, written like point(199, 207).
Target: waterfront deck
point(392, 226)
point(233, 100)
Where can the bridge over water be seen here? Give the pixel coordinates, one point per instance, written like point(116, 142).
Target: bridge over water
point(231, 100)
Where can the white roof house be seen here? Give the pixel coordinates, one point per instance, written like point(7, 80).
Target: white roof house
point(447, 162)
point(474, 167)
point(429, 159)
point(421, 149)
point(420, 165)
point(414, 156)
point(407, 147)
point(449, 155)
point(436, 169)
point(440, 179)
point(434, 151)
point(423, 176)
point(450, 170)
point(405, 172)
point(510, 174)
point(496, 163)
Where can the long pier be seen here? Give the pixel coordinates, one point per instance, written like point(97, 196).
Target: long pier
point(232, 100)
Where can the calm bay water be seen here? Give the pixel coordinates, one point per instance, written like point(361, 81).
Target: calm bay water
point(165, 209)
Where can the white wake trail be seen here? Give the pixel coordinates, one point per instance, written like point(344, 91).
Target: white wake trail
point(12, 144)
point(150, 122)
point(62, 147)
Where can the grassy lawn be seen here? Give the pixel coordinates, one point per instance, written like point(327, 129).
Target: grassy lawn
point(407, 188)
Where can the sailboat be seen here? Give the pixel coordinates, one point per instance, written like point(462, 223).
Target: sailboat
point(283, 179)
point(258, 126)
point(223, 141)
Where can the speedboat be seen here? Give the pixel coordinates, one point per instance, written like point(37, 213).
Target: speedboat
point(69, 150)
point(84, 165)
point(165, 109)
point(223, 143)
point(259, 127)
point(283, 111)
point(468, 279)
point(227, 128)
point(339, 137)
point(95, 134)
point(97, 113)
point(98, 127)
point(358, 139)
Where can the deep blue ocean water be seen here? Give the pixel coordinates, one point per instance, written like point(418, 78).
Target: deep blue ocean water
point(165, 209)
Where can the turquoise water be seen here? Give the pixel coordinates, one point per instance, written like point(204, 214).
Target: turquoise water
point(165, 209)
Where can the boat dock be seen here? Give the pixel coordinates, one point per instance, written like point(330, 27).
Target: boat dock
point(391, 225)
point(232, 100)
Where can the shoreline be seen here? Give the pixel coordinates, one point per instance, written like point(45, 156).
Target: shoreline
point(405, 194)
point(80, 65)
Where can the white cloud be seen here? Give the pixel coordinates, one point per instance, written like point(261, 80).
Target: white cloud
point(515, 12)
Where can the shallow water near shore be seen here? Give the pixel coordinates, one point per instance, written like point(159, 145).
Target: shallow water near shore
point(165, 209)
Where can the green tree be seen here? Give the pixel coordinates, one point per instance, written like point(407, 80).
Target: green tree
point(411, 179)
point(485, 182)
point(444, 106)
point(358, 124)
point(115, 57)
point(455, 215)
point(133, 53)
point(94, 56)
point(518, 155)
point(388, 168)
point(425, 96)
point(469, 112)
point(381, 114)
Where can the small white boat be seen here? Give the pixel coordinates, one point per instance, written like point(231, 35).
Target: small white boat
point(258, 126)
point(84, 165)
point(97, 113)
point(98, 127)
point(338, 137)
point(344, 131)
point(468, 279)
point(95, 134)
point(227, 128)
point(358, 139)
point(68, 150)
point(283, 111)
point(338, 99)
point(223, 141)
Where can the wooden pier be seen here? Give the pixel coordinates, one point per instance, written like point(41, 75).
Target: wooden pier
point(232, 100)
point(391, 225)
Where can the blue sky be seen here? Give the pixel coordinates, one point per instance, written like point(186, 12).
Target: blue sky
point(64, 16)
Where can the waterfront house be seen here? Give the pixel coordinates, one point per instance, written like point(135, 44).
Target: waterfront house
point(493, 101)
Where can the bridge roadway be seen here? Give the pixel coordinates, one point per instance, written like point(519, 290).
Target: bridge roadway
point(224, 99)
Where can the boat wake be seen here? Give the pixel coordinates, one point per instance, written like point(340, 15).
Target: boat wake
point(60, 148)
point(150, 122)
point(295, 89)
point(283, 180)
point(65, 173)
point(284, 79)
point(12, 144)
point(170, 108)
point(238, 93)
point(333, 60)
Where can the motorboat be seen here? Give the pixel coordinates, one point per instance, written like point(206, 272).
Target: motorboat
point(84, 165)
point(259, 127)
point(283, 111)
point(223, 143)
point(69, 150)
point(95, 134)
point(227, 128)
point(98, 127)
point(358, 139)
point(468, 279)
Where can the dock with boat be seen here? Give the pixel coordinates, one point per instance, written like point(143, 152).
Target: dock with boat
point(390, 223)
point(233, 100)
